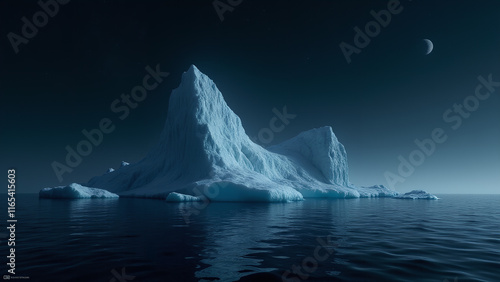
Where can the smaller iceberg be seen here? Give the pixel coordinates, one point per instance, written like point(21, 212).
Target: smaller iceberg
point(178, 197)
point(75, 191)
point(417, 194)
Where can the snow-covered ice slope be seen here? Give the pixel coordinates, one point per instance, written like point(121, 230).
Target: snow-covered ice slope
point(204, 150)
point(75, 191)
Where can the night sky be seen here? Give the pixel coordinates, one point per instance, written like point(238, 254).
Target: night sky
point(262, 55)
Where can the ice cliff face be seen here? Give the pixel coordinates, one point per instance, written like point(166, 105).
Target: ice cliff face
point(204, 150)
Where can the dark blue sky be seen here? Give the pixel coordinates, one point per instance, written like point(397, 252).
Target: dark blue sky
point(263, 55)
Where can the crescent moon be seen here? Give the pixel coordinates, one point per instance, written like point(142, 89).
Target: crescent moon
point(430, 46)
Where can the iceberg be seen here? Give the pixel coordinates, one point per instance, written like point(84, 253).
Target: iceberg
point(205, 152)
point(417, 194)
point(75, 191)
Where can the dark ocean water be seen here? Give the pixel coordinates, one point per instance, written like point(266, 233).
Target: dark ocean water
point(456, 238)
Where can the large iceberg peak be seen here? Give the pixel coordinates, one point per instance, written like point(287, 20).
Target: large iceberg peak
point(200, 125)
point(199, 104)
point(198, 97)
point(193, 82)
